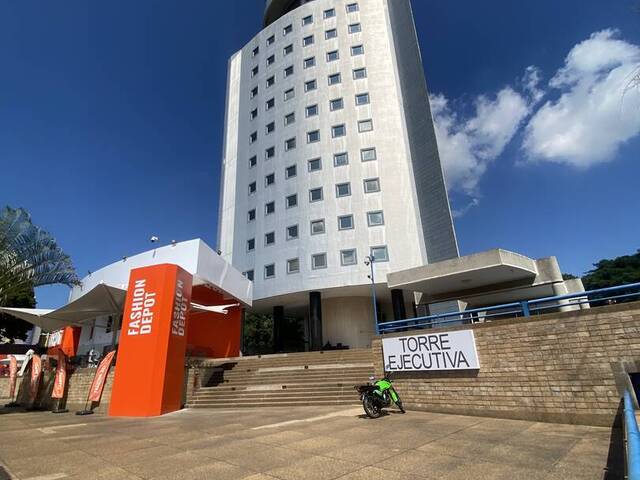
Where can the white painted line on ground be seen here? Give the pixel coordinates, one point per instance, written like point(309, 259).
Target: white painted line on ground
point(52, 476)
point(52, 429)
point(342, 413)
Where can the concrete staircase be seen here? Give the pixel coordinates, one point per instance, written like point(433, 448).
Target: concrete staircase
point(294, 379)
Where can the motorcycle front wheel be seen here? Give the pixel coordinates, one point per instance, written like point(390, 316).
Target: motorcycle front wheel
point(370, 407)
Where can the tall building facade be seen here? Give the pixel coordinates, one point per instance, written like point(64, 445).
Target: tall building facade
point(329, 157)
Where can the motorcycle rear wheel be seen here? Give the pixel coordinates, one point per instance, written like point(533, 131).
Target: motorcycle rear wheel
point(370, 408)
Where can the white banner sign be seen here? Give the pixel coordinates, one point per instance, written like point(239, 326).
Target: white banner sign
point(431, 351)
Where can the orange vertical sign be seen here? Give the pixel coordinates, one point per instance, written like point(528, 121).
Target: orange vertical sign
point(60, 379)
point(100, 378)
point(36, 370)
point(150, 371)
point(13, 375)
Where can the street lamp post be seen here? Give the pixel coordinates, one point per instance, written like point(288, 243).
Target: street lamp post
point(369, 260)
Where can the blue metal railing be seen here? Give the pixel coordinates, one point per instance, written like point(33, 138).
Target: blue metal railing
point(633, 438)
point(516, 309)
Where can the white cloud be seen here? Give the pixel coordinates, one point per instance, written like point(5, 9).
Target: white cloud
point(593, 115)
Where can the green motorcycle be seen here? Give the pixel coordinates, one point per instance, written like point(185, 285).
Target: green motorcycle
point(378, 395)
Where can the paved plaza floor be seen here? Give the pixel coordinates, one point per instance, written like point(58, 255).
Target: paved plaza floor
point(296, 443)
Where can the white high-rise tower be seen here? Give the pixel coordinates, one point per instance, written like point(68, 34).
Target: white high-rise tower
point(330, 156)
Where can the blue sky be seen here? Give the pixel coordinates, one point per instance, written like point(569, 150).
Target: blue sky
point(111, 121)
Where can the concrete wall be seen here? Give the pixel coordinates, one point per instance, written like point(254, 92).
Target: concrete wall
point(565, 367)
point(348, 320)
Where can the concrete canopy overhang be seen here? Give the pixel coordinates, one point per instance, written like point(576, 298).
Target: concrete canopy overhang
point(481, 271)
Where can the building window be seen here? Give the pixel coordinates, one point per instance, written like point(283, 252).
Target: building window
point(254, 91)
point(287, 30)
point(269, 153)
point(270, 128)
point(368, 154)
point(333, 56)
point(309, 62)
point(310, 85)
point(375, 218)
point(271, 40)
point(253, 137)
point(271, 81)
point(317, 227)
point(269, 104)
point(308, 40)
point(269, 238)
point(345, 222)
point(313, 136)
point(269, 179)
point(371, 185)
point(315, 195)
point(308, 20)
point(291, 171)
point(289, 94)
point(340, 159)
point(359, 73)
point(270, 208)
point(271, 59)
point(331, 12)
point(380, 254)
point(318, 261)
point(253, 161)
point(338, 131)
point(292, 232)
point(343, 189)
point(352, 7)
point(253, 114)
point(254, 71)
point(251, 244)
point(357, 50)
point(348, 257)
point(249, 275)
point(314, 165)
point(289, 118)
point(355, 28)
point(270, 271)
point(329, 34)
point(365, 125)
point(293, 265)
point(256, 51)
point(336, 104)
point(288, 49)
point(288, 71)
point(290, 144)
point(251, 215)
point(291, 200)
point(311, 110)
point(362, 99)
point(335, 79)
point(252, 188)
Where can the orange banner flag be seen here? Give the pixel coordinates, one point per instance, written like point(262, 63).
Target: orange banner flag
point(95, 392)
point(36, 371)
point(13, 375)
point(61, 377)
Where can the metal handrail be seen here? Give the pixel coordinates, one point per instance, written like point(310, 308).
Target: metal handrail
point(633, 438)
point(524, 308)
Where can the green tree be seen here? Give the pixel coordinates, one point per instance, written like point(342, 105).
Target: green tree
point(29, 258)
point(257, 334)
point(613, 272)
point(12, 328)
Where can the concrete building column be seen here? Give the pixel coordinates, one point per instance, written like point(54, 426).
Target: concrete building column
point(278, 323)
point(315, 321)
point(397, 300)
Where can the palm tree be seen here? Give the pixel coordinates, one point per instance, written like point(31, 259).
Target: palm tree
point(29, 256)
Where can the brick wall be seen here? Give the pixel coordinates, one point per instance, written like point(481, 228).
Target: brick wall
point(563, 367)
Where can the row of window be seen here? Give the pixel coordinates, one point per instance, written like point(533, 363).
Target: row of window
point(317, 227)
point(309, 62)
point(313, 136)
point(315, 164)
point(348, 257)
point(371, 185)
point(308, 20)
